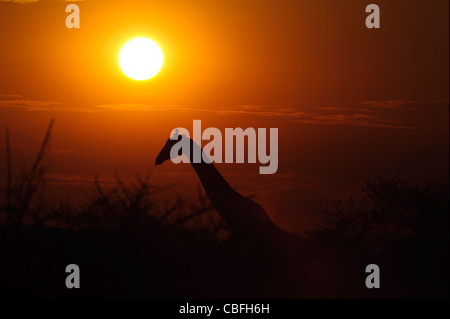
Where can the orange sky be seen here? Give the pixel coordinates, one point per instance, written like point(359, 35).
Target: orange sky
point(350, 103)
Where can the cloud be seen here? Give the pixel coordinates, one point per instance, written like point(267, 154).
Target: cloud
point(9, 96)
point(34, 1)
point(430, 106)
point(20, 1)
point(395, 114)
point(382, 114)
point(18, 102)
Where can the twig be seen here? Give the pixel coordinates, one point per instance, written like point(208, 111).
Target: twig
point(9, 178)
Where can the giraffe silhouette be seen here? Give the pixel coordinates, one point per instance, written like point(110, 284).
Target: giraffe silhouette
point(278, 261)
point(245, 218)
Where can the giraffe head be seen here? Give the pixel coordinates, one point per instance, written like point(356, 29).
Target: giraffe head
point(164, 154)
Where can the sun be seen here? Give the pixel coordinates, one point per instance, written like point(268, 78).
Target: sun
point(140, 59)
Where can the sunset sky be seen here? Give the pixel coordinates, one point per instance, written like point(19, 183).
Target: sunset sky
point(350, 103)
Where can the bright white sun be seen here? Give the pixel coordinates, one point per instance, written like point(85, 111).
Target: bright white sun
point(140, 59)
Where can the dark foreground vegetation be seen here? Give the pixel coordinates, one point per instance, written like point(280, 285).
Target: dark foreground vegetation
point(129, 246)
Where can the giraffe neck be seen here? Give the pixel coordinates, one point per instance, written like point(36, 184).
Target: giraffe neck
point(244, 217)
point(216, 187)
